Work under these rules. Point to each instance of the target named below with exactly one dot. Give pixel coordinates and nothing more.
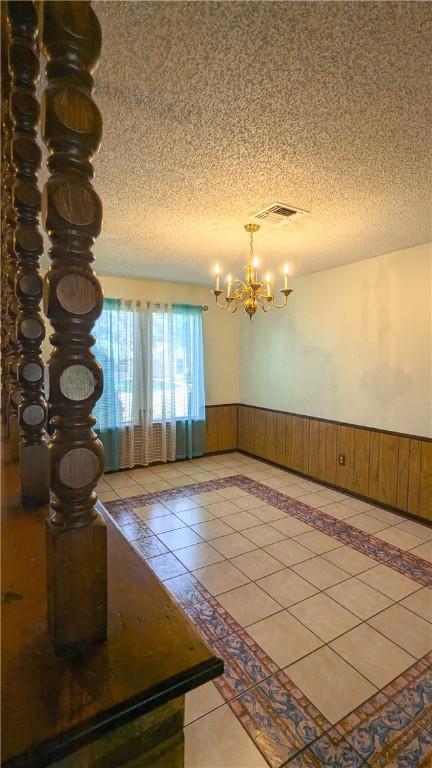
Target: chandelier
(250, 293)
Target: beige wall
(220, 331)
(353, 346)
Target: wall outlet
(342, 459)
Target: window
(152, 361)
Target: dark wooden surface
(50, 705)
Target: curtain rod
(158, 304)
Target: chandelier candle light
(250, 293)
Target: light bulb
(229, 281)
(286, 269)
(286, 273)
(255, 262)
(268, 278)
(217, 273)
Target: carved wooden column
(6, 208)
(72, 214)
(28, 246)
(9, 300)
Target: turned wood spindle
(9, 269)
(72, 214)
(28, 247)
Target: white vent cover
(278, 213)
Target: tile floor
(319, 604)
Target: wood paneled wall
(392, 469)
(221, 428)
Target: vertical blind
(153, 404)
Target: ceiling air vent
(277, 213)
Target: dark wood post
(9, 267)
(72, 214)
(27, 248)
(6, 209)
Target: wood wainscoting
(392, 469)
(221, 428)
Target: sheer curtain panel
(153, 405)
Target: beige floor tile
(289, 552)
(320, 572)
(263, 535)
(423, 532)
(367, 523)
(317, 499)
(287, 587)
(241, 520)
(340, 510)
(177, 539)
(318, 542)
(142, 474)
(391, 583)
(420, 603)
(212, 529)
(222, 508)
(274, 482)
(257, 564)
(233, 544)
(424, 551)
(350, 560)
(330, 683)
(231, 492)
(359, 598)
(400, 539)
(180, 504)
(200, 701)
(198, 556)
(294, 491)
(267, 513)
(181, 482)
(159, 485)
(218, 740)
(166, 566)
(103, 486)
(248, 604)
(408, 630)
(206, 498)
(284, 638)
(221, 577)
(119, 480)
(385, 516)
(324, 616)
(358, 504)
(130, 491)
(247, 502)
(195, 515)
(372, 654)
(108, 495)
(290, 526)
(202, 477)
(148, 511)
(164, 523)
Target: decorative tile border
(246, 664)
(403, 562)
(392, 729)
(279, 718)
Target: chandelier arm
(280, 306)
(222, 306)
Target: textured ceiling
(212, 110)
